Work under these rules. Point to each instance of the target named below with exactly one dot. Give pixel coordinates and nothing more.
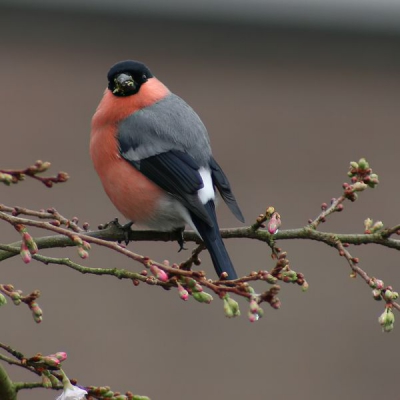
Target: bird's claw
(126, 229)
(180, 240)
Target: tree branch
(7, 389)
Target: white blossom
(72, 393)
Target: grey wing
(170, 124)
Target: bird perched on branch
(153, 156)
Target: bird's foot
(180, 240)
(115, 224)
(126, 229)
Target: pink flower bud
(82, 253)
(25, 253)
(159, 273)
(275, 303)
(62, 177)
(36, 310)
(377, 283)
(51, 361)
(30, 243)
(86, 245)
(253, 317)
(183, 293)
(37, 319)
(61, 355)
(274, 223)
(253, 306)
(198, 288)
(77, 240)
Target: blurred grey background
(290, 92)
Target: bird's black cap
(134, 69)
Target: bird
(152, 154)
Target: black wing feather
(221, 182)
(177, 173)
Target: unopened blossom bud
(46, 382)
(54, 381)
(388, 294)
(202, 297)
(137, 397)
(260, 312)
(6, 178)
(102, 390)
(183, 293)
(77, 240)
(376, 227)
(42, 166)
(248, 288)
(290, 275)
(191, 283)
(376, 283)
(359, 186)
(377, 294)
(3, 300)
(354, 165)
(36, 312)
(304, 286)
(61, 355)
(254, 306)
(30, 243)
(368, 224)
(233, 304)
(373, 180)
(51, 361)
(82, 252)
(274, 223)
(86, 245)
(16, 298)
(270, 279)
(159, 273)
(363, 164)
(62, 177)
(275, 303)
(228, 310)
(270, 210)
(386, 320)
(25, 253)
(197, 288)
(253, 317)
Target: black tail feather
(213, 241)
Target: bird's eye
(144, 77)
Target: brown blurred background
(288, 103)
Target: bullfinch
(153, 156)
